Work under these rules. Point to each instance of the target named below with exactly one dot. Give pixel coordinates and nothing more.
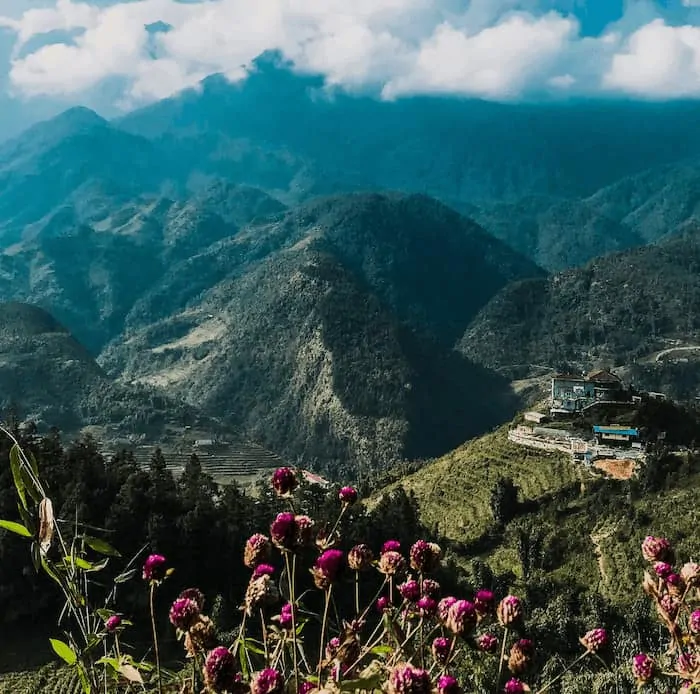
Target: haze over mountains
(245, 249)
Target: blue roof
(616, 430)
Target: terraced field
(49, 679)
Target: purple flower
(687, 662)
(410, 590)
(348, 495)
(663, 569)
(427, 606)
(392, 563)
(484, 601)
(284, 481)
(267, 681)
(674, 580)
(694, 622)
(444, 607)
(257, 550)
(406, 679)
(286, 618)
(304, 530)
(184, 613)
(113, 623)
(283, 530)
(448, 685)
(425, 556)
(487, 643)
(360, 557)
(642, 667)
(431, 588)
(263, 570)
(520, 656)
(515, 686)
(194, 594)
(220, 670)
(461, 617)
(594, 640)
(382, 604)
(656, 548)
(305, 687)
(332, 648)
(441, 649)
(327, 568)
(154, 568)
(391, 546)
(509, 610)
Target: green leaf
(64, 651)
(79, 563)
(126, 576)
(253, 647)
(16, 528)
(382, 650)
(84, 681)
(29, 485)
(243, 659)
(100, 546)
(48, 568)
(112, 662)
(16, 467)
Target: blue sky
(114, 55)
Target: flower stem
(323, 632)
(502, 658)
(357, 593)
(155, 637)
(291, 568)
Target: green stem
(562, 673)
(323, 632)
(502, 659)
(155, 637)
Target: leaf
(16, 466)
(29, 485)
(46, 524)
(64, 651)
(126, 576)
(16, 528)
(84, 681)
(101, 546)
(382, 650)
(253, 648)
(79, 563)
(243, 659)
(112, 662)
(36, 556)
(130, 673)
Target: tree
(504, 501)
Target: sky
(116, 55)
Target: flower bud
(487, 643)
(484, 602)
(261, 591)
(360, 558)
(425, 556)
(461, 617)
(642, 668)
(267, 681)
(410, 590)
(509, 610)
(184, 612)
(220, 670)
(348, 495)
(392, 563)
(690, 573)
(594, 640)
(407, 679)
(656, 549)
(448, 685)
(694, 622)
(515, 686)
(391, 546)
(113, 623)
(154, 568)
(284, 481)
(327, 568)
(257, 550)
(520, 657)
(441, 650)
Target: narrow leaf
(130, 673)
(126, 576)
(100, 546)
(16, 528)
(64, 651)
(16, 466)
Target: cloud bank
(500, 49)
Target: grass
(50, 678)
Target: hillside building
(616, 435)
(571, 393)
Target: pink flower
(257, 550)
(448, 685)
(267, 681)
(263, 570)
(327, 568)
(194, 594)
(283, 530)
(391, 546)
(656, 548)
(406, 679)
(382, 604)
(220, 670)
(594, 640)
(515, 686)
(509, 610)
(305, 687)
(183, 613)
(360, 557)
(461, 617)
(487, 643)
(431, 588)
(286, 617)
(154, 568)
(427, 606)
(348, 495)
(284, 481)
(670, 605)
(425, 556)
(642, 667)
(441, 649)
(663, 569)
(113, 623)
(391, 563)
(694, 622)
(484, 601)
(410, 590)
(444, 607)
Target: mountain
(327, 332)
(616, 310)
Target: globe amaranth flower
(327, 567)
(643, 668)
(220, 670)
(391, 546)
(690, 573)
(662, 569)
(441, 650)
(382, 604)
(409, 590)
(113, 623)
(263, 570)
(348, 495)
(487, 643)
(284, 481)
(304, 530)
(425, 556)
(669, 605)
(594, 640)
(360, 558)
(286, 618)
(391, 563)
(257, 550)
(406, 679)
(184, 612)
(200, 637)
(484, 602)
(268, 681)
(154, 568)
(461, 617)
(283, 531)
(656, 548)
(448, 685)
(427, 606)
(509, 610)
(431, 588)
(515, 686)
(443, 608)
(694, 622)
(520, 657)
(332, 648)
(261, 591)
(194, 594)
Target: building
(573, 393)
(614, 434)
(606, 385)
(535, 417)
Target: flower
(406, 679)
(261, 591)
(283, 531)
(154, 568)
(461, 617)
(392, 563)
(441, 649)
(410, 590)
(425, 556)
(594, 640)
(690, 573)
(656, 548)
(443, 608)
(360, 557)
(348, 495)
(642, 667)
(694, 622)
(427, 606)
(483, 602)
(687, 662)
(663, 569)
(520, 656)
(267, 681)
(332, 648)
(305, 687)
(220, 670)
(113, 623)
(382, 603)
(194, 594)
(487, 643)
(263, 569)
(448, 685)
(431, 588)
(669, 604)
(515, 686)
(327, 568)
(200, 636)
(286, 618)
(304, 530)
(257, 550)
(184, 613)
(391, 546)
(284, 481)
(509, 610)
